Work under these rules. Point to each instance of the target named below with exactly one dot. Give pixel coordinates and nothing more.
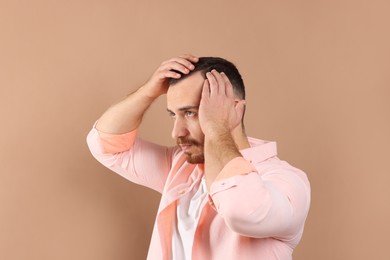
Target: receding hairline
(207, 64)
(175, 81)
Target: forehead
(186, 92)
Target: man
(224, 195)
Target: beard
(195, 155)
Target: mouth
(185, 147)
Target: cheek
(197, 131)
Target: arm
(113, 140)
(271, 200)
(220, 116)
(138, 161)
(254, 201)
(126, 115)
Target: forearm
(270, 201)
(220, 148)
(127, 114)
(220, 114)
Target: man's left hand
(219, 110)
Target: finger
(213, 83)
(206, 89)
(190, 57)
(229, 86)
(184, 62)
(175, 66)
(170, 74)
(220, 81)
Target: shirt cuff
(225, 179)
(116, 143)
(236, 166)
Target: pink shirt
(256, 207)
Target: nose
(179, 128)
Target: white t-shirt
(187, 217)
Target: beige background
(318, 82)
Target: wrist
(221, 146)
(217, 133)
(146, 93)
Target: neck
(240, 137)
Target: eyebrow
(184, 108)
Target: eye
(172, 115)
(190, 113)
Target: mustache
(187, 141)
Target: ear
(237, 101)
(240, 103)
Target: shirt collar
(259, 151)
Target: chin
(195, 159)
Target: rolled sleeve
(236, 166)
(116, 143)
(227, 178)
(270, 202)
(137, 160)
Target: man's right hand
(126, 115)
(159, 82)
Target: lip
(185, 147)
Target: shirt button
(181, 192)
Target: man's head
(183, 99)
(207, 64)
